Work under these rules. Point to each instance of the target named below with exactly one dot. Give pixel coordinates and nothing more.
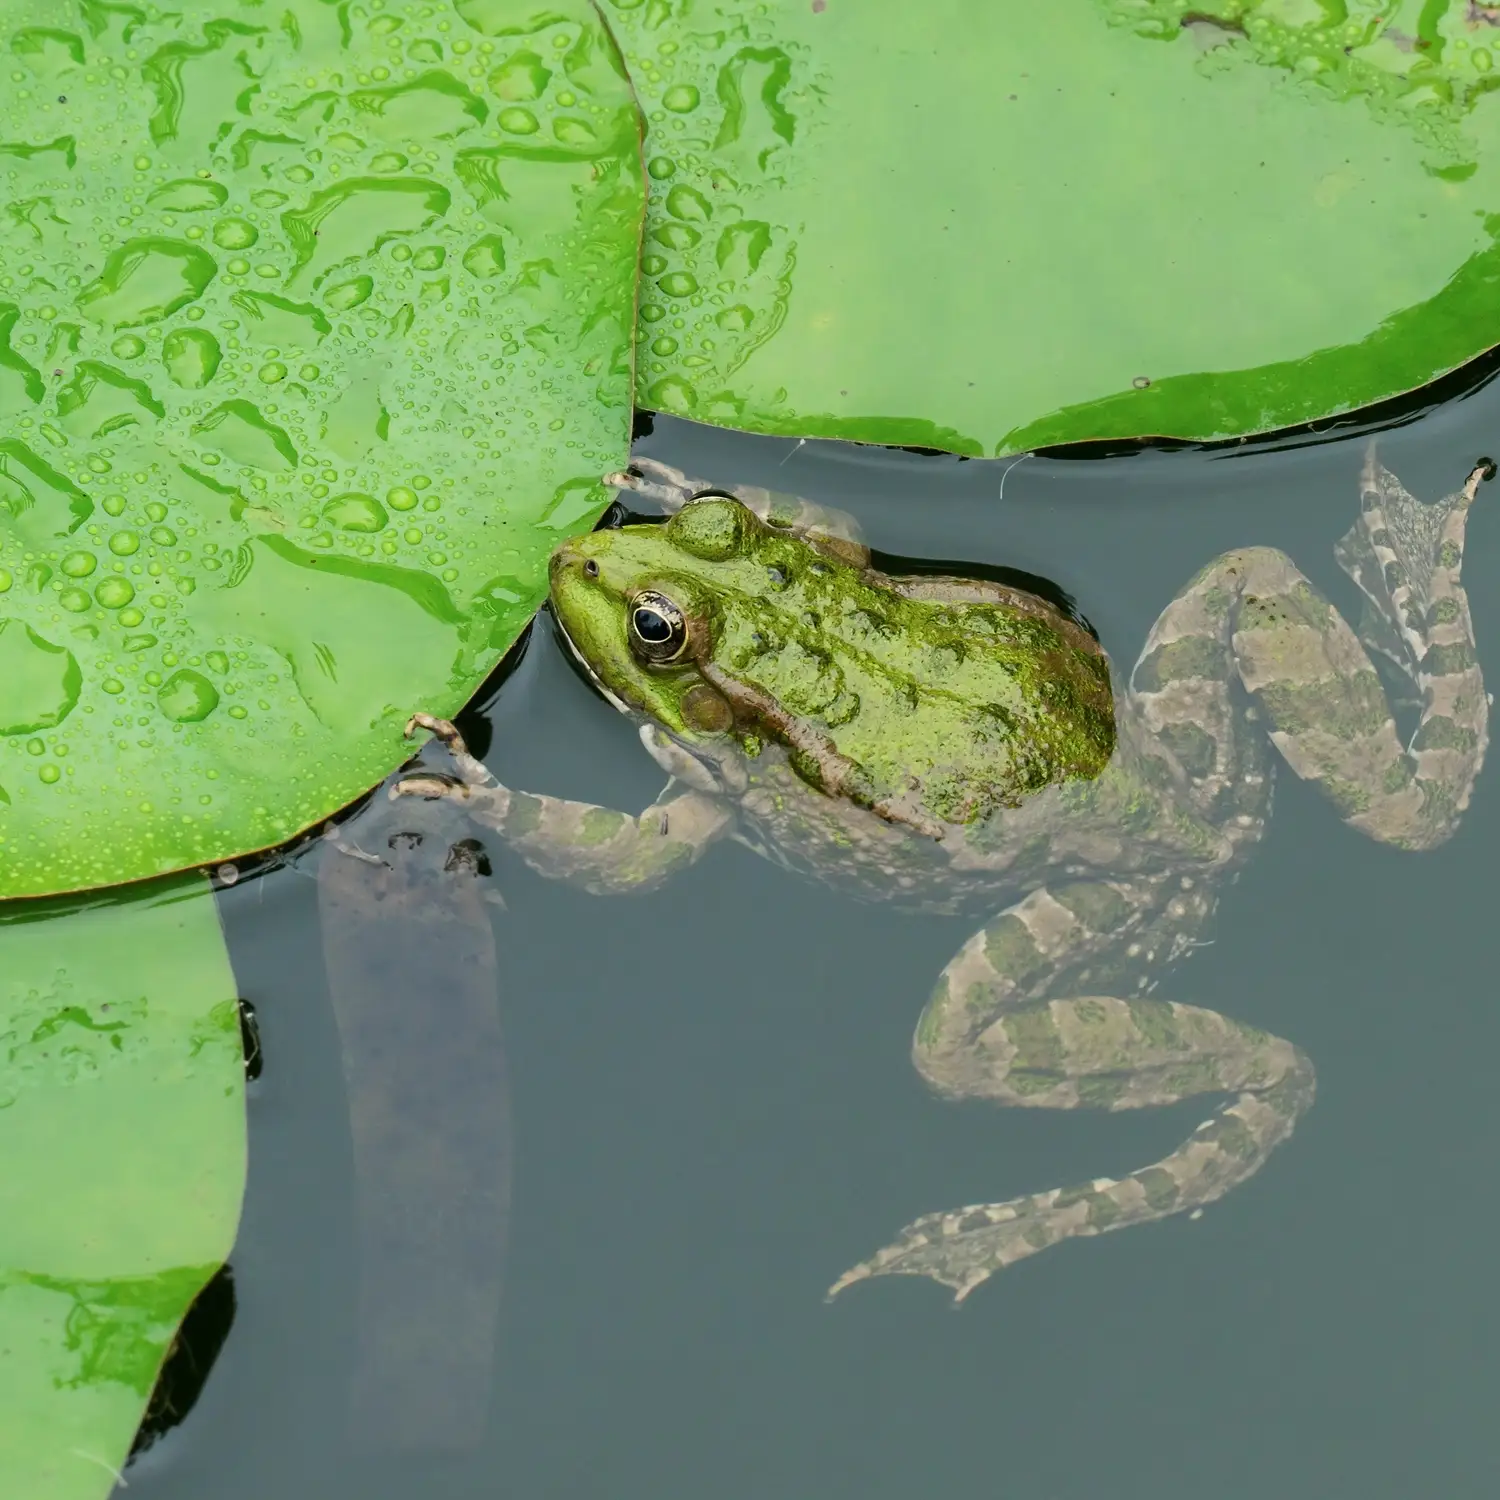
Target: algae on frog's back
(949, 698)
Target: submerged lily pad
(122, 1164)
(990, 227)
(311, 348)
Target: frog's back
(1129, 821)
(949, 698)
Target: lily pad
(315, 338)
(1000, 226)
(122, 1138)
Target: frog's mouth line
(586, 668)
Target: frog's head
(643, 609)
(930, 700)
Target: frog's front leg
(602, 850)
(1018, 1018)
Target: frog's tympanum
(951, 744)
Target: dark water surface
(715, 1113)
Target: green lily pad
(122, 1138)
(315, 338)
(993, 227)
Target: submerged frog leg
(1014, 1019)
(601, 850)
(653, 480)
(1252, 615)
(672, 489)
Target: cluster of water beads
(1429, 77)
(728, 107)
(257, 339)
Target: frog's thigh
(1005, 1023)
(1325, 707)
(1253, 614)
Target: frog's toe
(443, 730)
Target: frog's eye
(657, 628)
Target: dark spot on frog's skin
(776, 577)
(819, 568)
(811, 619)
(404, 841)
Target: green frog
(956, 744)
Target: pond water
(713, 1113)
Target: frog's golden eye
(657, 628)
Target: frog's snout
(572, 571)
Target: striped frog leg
(1015, 1019)
(1252, 616)
(596, 848)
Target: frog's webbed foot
(1406, 555)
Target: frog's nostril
(591, 569)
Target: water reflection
(404, 905)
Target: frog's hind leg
(1251, 614)
(1406, 557)
(1016, 1019)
